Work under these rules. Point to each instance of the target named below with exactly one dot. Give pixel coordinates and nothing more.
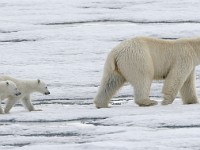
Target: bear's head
(11, 88)
(42, 87)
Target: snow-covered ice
(65, 43)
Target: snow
(66, 43)
(126, 126)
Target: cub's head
(11, 88)
(42, 87)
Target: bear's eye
(46, 87)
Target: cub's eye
(46, 87)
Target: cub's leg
(173, 83)
(9, 104)
(188, 91)
(1, 109)
(26, 101)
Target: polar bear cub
(26, 87)
(7, 88)
(141, 60)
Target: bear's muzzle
(47, 93)
(19, 93)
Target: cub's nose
(47, 93)
(19, 93)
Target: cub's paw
(166, 102)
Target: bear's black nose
(19, 93)
(47, 93)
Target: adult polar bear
(143, 59)
(26, 87)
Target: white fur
(7, 88)
(26, 87)
(141, 60)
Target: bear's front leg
(9, 104)
(174, 82)
(188, 91)
(26, 101)
(1, 109)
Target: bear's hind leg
(142, 90)
(188, 91)
(110, 83)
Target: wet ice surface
(66, 43)
(124, 126)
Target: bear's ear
(38, 81)
(7, 83)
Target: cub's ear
(7, 83)
(38, 81)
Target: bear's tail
(112, 80)
(111, 63)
